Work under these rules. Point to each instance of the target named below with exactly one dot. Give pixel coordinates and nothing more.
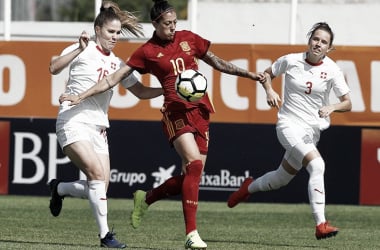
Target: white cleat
(194, 241)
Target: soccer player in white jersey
(309, 78)
(81, 129)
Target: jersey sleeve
(340, 85)
(137, 61)
(201, 45)
(129, 81)
(279, 66)
(70, 48)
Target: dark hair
(160, 7)
(110, 11)
(321, 26)
(105, 15)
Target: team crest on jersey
(323, 75)
(185, 46)
(179, 124)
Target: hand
(73, 99)
(262, 77)
(273, 99)
(325, 111)
(83, 40)
(257, 77)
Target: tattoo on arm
(223, 66)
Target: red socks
(171, 187)
(188, 185)
(190, 191)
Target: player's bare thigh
(94, 165)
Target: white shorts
(69, 132)
(297, 139)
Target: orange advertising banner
(29, 90)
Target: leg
(142, 199)
(61, 189)
(82, 154)
(275, 179)
(78, 153)
(96, 167)
(316, 190)
(78, 189)
(270, 181)
(192, 166)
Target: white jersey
(90, 66)
(307, 88)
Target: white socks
(98, 202)
(78, 189)
(271, 180)
(278, 178)
(316, 189)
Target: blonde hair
(129, 22)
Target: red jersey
(166, 59)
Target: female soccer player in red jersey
(186, 124)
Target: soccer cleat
(194, 241)
(139, 208)
(241, 194)
(109, 241)
(324, 230)
(56, 199)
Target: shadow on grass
(262, 243)
(60, 244)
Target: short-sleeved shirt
(166, 59)
(90, 66)
(307, 88)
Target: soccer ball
(191, 85)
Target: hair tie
(166, 11)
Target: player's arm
(229, 68)
(143, 92)
(103, 85)
(343, 106)
(273, 99)
(59, 63)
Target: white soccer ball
(191, 85)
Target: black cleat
(56, 200)
(109, 241)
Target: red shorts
(196, 121)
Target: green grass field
(26, 223)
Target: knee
(284, 177)
(316, 167)
(95, 174)
(194, 168)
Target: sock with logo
(271, 180)
(190, 191)
(98, 202)
(316, 168)
(77, 189)
(171, 187)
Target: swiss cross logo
(113, 65)
(323, 75)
